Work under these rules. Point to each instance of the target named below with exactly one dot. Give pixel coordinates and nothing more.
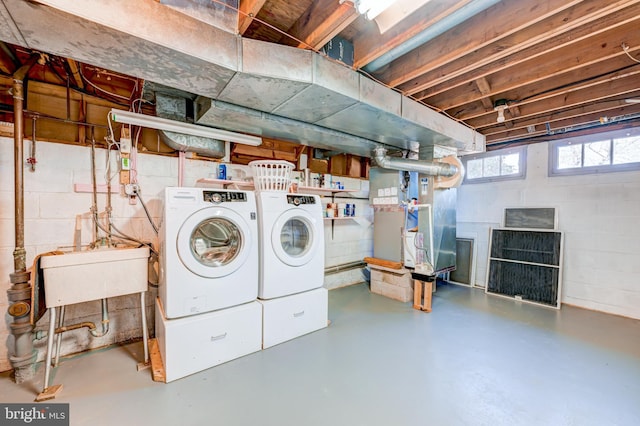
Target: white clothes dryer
(208, 250)
(291, 243)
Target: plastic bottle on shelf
(222, 172)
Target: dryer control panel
(217, 197)
(297, 200)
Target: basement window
(505, 164)
(573, 157)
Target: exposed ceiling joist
(557, 63)
(249, 9)
(370, 46)
(322, 21)
(471, 35)
(568, 30)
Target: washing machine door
(214, 242)
(293, 237)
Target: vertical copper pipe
(32, 154)
(24, 355)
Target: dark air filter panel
(526, 265)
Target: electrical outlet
(131, 189)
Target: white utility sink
(82, 276)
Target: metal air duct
(404, 164)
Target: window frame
(522, 160)
(582, 141)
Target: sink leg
(52, 331)
(59, 336)
(145, 336)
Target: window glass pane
(510, 164)
(626, 150)
(569, 156)
(491, 166)
(474, 169)
(597, 153)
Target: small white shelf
(341, 218)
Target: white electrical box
(125, 145)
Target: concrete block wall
(598, 214)
(52, 209)
(348, 240)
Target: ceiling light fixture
(393, 15)
(153, 122)
(372, 8)
(382, 12)
(500, 105)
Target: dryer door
(214, 242)
(293, 237)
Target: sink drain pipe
(22, 355)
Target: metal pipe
(91, 326)
(430, 33)
(32, 155)
(105, 321)
(69, 99)
(344, 267)
(23, 356)
(59, 336)
(427, 168)
(108, 203)
(94, 199)
(145, 332)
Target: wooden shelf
(216, 183)
(303, 189)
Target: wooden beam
(599, 108)
(570, 26)
(590, 76)
(564, 100)
(75, 73)
(323, 20)
(8, 62)
(560, 126)
(368, 46)
(529, 139)
(249, 9)
(485, 88)
(507, 17)
(552, 66)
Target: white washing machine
(291, 243)
(291, 266)
(209, 250)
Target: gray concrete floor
(475, 360)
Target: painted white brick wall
(348, 240)
(598, 214)
(52, 206)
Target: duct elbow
(448, 170)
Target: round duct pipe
(424, 167)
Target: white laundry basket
(271, 175)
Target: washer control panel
(217, 197)
(297, 200)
